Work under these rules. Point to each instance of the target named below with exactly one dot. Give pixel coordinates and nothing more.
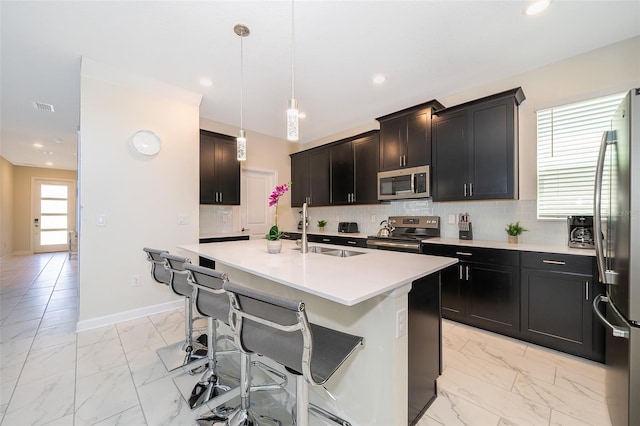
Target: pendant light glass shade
(241, 140)
(241, 146)
(292, 120)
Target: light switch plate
(101, 219)
(183, 220)
(452, 219)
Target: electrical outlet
(452, 219)
(183, 220)
(401, 323)
(101, 219)
(373, 218)
(337, 218)
(135, 280)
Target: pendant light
(292, 110)
(241, 140)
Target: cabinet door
(418, 139)
(492, 150)
(556, 310)
(494, 297)
(365, 169)
(392, 143)
(449, 156)
(299, 179)
(342, 178)
(453, 292)
(319, 188)
(207, 170)
(227, 172)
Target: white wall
(611, 69)
(140, 196)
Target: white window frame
(568, 141)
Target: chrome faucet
(304, 246)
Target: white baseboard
(127, 315)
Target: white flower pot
(274, 247)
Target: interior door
(53, 207)
(255, 215)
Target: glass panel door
(54, 214)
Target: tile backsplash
(216, 219)
(489, 218)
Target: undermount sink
(342, 253)
(332, 252)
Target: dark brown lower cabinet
(482, 289)
(556, 307)
(543, 298)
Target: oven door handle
(394, 244)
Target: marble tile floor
(50, 375)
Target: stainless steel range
(405, 233)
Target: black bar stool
(278, 328)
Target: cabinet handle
(554, 262)
(586, 290)
(217, 196)
(352, 242)
(465, 189)
(467, 273)
(464, 253)
(221, 197)
(470, 189)
(405, 160)
(353, 197)
(326, 240)
(460, 266)
(401, 161)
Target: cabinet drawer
(557, 262)
(333, 239)
(474, 254)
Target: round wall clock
(146, 142)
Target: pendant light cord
(293, 49)
(241, 80)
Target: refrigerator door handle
(615, 330)
(606, 276)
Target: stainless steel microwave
(399, 184)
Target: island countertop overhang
(348, 280)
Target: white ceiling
(427, 50)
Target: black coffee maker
(580, 231)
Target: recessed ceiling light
(57, 140)
(302, 115)
(206, 82)
(536, 7)
(379, 79)
(37, 145)
(49, 163)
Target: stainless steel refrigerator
(618, 258)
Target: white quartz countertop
(345, 280)
(544, 248)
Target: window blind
(568, 143)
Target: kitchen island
(365, 294)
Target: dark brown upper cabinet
(354, 170)
(475, 149)
(405, 137)
(219, 169)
